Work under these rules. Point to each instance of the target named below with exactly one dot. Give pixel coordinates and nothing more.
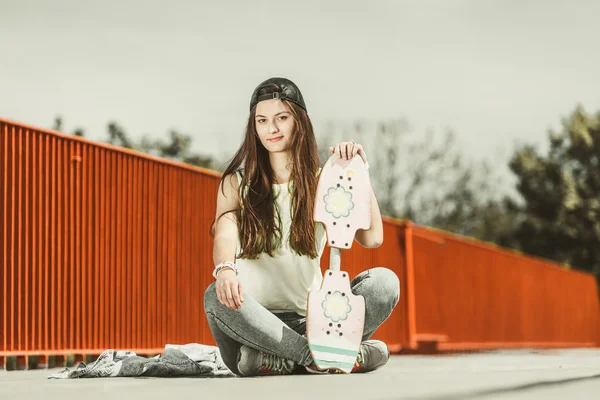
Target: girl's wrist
(224, 265)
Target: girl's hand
(347, 151)
(229, 291)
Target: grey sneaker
(254, 362)
(372, 355)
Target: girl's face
(275, 125)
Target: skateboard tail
(333, 357)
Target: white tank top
(281, 283)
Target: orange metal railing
(102, 247)
(471, 295)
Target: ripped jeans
(281, 334)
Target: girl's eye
(284, 117)
(260, 121)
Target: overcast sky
(493, 71)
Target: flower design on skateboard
(336, 306)
(338, 202)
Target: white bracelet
(224, 265)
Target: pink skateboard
(335, 317)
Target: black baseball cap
(289, 91)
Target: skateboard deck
(335, 316)
(343, 202)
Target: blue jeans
(281, 334)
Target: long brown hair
(259, 223)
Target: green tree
(559, 215)
(118, 137)
(177, 148)
(58, 126)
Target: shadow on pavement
(507, 390)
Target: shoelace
(359, 361)
(273, 363)
(359, 358)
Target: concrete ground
(521, 374)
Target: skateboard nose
(343, 201)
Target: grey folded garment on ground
(191, 360)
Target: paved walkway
(552, 374)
